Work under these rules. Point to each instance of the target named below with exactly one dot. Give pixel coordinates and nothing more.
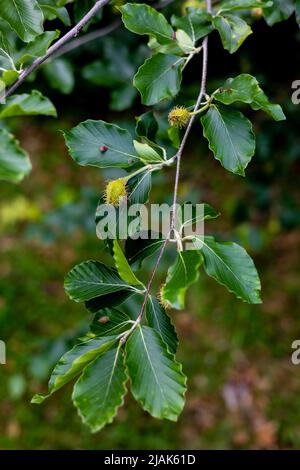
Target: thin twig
(178, 165)
(55, 47)
(76, 43)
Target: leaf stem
(190, 56)
(137, 172)
(149, 168)
(207, 105)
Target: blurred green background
(243, 390)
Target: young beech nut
(115, 191)
(163, 302)
(179, 117)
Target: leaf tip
(38, 399)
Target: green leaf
(230, 265)
(122, 97)
(261, 101)
(110, 321)
(115, 71)
(117, 65)
(9, 77)
(6, 59)
(101, 389)
(51, 12)
(172, 48)
(122, 265)
(146, 153)
(233, 31)
(38, 47)
(230, 137)
(297, 11)
(73, 362)
(157, 381)
(27, 105)
(4, 44)
(174, 135)
(139, 188)
(6, 62)
(61, 3)
(196, 23)
(232, 5)
(14, 161)
(60, 75)
(101, 74)
(245, 88)
(159, 78)
(183, 273)
(280, 10)
(108, 301)
(92, 279)
(159, 320)
(97, 143)
(113, 222)
(147, 126)
(24, 17)
(140, 249)
(195, 215)
(142, 19)
(184, 41)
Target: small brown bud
(103, 319)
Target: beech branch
(178, 157)
(55, 47)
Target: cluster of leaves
(280, 11)
(23, 38)
(123, 345)
(141, 348)
(116, 63)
